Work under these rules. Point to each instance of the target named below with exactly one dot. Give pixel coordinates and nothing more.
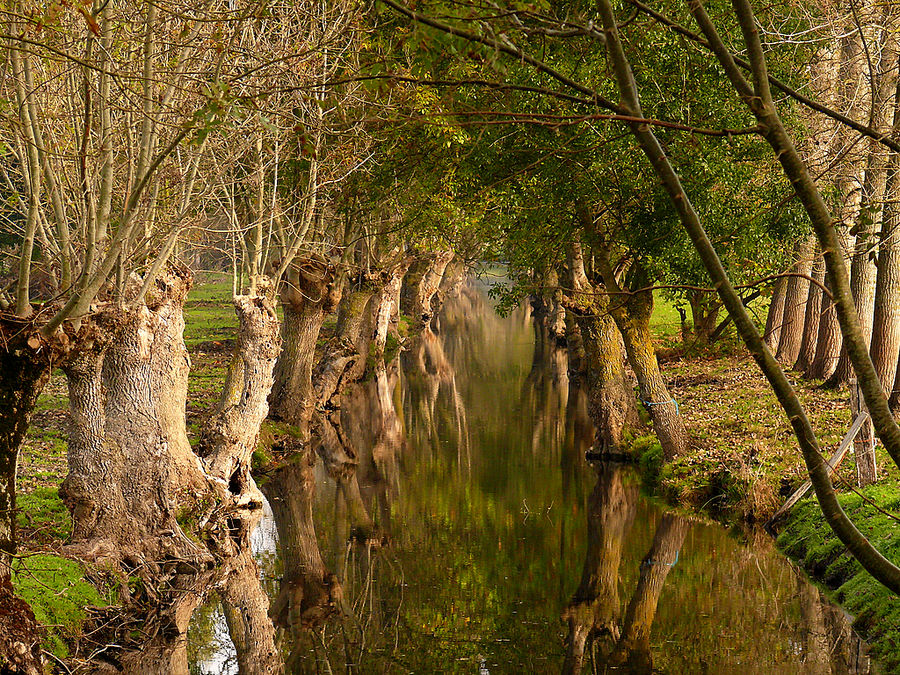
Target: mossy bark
(631, 312)
(611, 401)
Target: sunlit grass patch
(55, 589)
(43, 515)
(808, 539)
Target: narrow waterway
(480, 540)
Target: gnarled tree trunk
(631, 312)
(611, 400)
(421, 283)
(310, 293)
(230, 434)
(387, 306)
(131, 467)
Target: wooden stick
(831, 464)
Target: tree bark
(311, 293)
(807, 354)
(885, 347)
(863, 271)
(611, 400)
(131, 467)
(775, 314)
(229, 436)
(421, 284)
(829, 340)
(26, 360)
(387, 306)
(631, 312)
(704, 315)
(795, 304)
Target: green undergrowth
(807, 539)
(57, 591)
(42, 514)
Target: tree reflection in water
(449, 519)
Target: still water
(475, 538)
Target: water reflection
(445, 519)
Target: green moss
(649, 455)
(44, 511)
(57, 592)
(807, 539)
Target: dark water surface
(499, 549)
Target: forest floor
(744, 463)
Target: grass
(56, 589)
(665, 323)
(42, 514)
(807, 539)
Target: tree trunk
(20, 636)
(131, 467)
(828, 342)
(611, 400)
(775, 314)
(594, 608)
(632, 652)
(795, 304)
(578, 283)
(310, 294)
(387, 306)
(230, 435)
(704, 315)
(863, 271)
(422, 283)
(813, 313)
(631, 312)
(885, 347)
(26, 360)
(353, 320)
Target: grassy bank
(809, 541)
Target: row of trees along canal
(324, 153)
